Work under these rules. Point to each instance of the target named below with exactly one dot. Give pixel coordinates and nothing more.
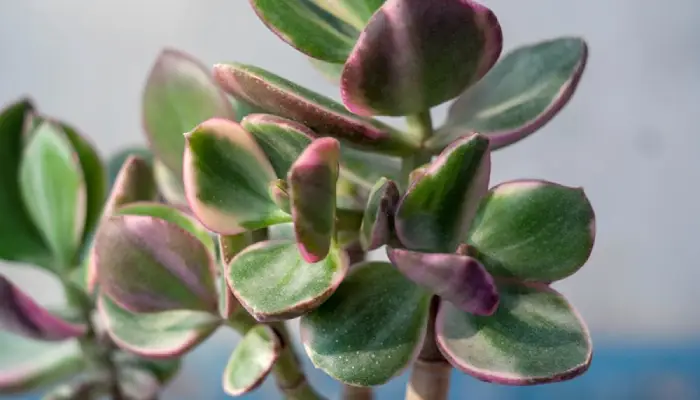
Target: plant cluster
(264, 211)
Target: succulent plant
(256, 202)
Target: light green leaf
(251, 361)
(169, 184)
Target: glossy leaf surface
(273, 282)
(378, 220)
(534, 337)
(533, 230)
(251, 361)
(371, 329)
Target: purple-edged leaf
(535, 337)
(416, 54)
(169, 184)
(523, 92)
(251, 361)
(273, 282)
(378, 220)
(282, 140)
(21, 315)
(435, 213)
(54, 191)
(229, 247)
(27, 365)
(147, 264)
(371, 329)
(226, 177)
(312, 195)
(533, 230)
(461, 280)
(279, 96)
(158, 335)
(279, 192)
(179, 94)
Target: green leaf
(273, 282)
(312, 193)
(158, 335)
(278, 96)
(169, 184)
(535, 337)
(226, 179)
(522, 93)
(117, 160)
(148, 264)
(179, 94)
(366, 169)
(53, 189)
(435, 213)
(330, 71)
(378, 220)
(371, 329)
(20, 241)
(251, 361)
(229, 247)
(533, 230)
(282, 140)
(415, 54)
(27, 364)
(164, 370)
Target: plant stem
(421, 126)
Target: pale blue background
(629, 137)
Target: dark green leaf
(251, 361)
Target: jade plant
(257, 202)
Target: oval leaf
(533, 230)
(378, 220)
(226, 179)
(251, 361)
(53, 189)
(366, 169)
(27, 364)
(534, 337)
(273, 282)
(312, 193)
(117, 160)
(147, 264)
(371, 329)
(179, 94)
(279, 96)
(438, 207)
(523, 92)
(169, 184)
(23, 316)
(20, 240)
(282, 140)
(416, 54)
(461, 280)
(158, 335)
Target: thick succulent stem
(421, 126)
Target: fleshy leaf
(229, 247)
(415, 54)
(158, 335)
(279, 96)
(523, 92)
(378, 220)
(535, 337)
(273, 282)
(53, 189)
(251, 361)
(27, 364)
(435, 213)
(226, 179)
(533, 230)
(147, 264)
(282, 140)
(21, 315)
(459, 279)
(371, 329)
(179, 94)
(164, 370)
(117, 160)
(20, 241)
(169, 184)
(366, 169)
(312, 195)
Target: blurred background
(629, 137)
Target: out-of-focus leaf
(117, 160)
(251, 361)
(435, 213)
(229, 247)
(179, 94)
(533, 230)
(416, 54)
(169, 184)
(226, 179)
(534, 337)
(273, 282)
(330, 71)
(366, 169)
(372, 327)
(523, 92)
(162, 369)
(378, 221)
(278, 96)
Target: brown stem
(430, 376)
